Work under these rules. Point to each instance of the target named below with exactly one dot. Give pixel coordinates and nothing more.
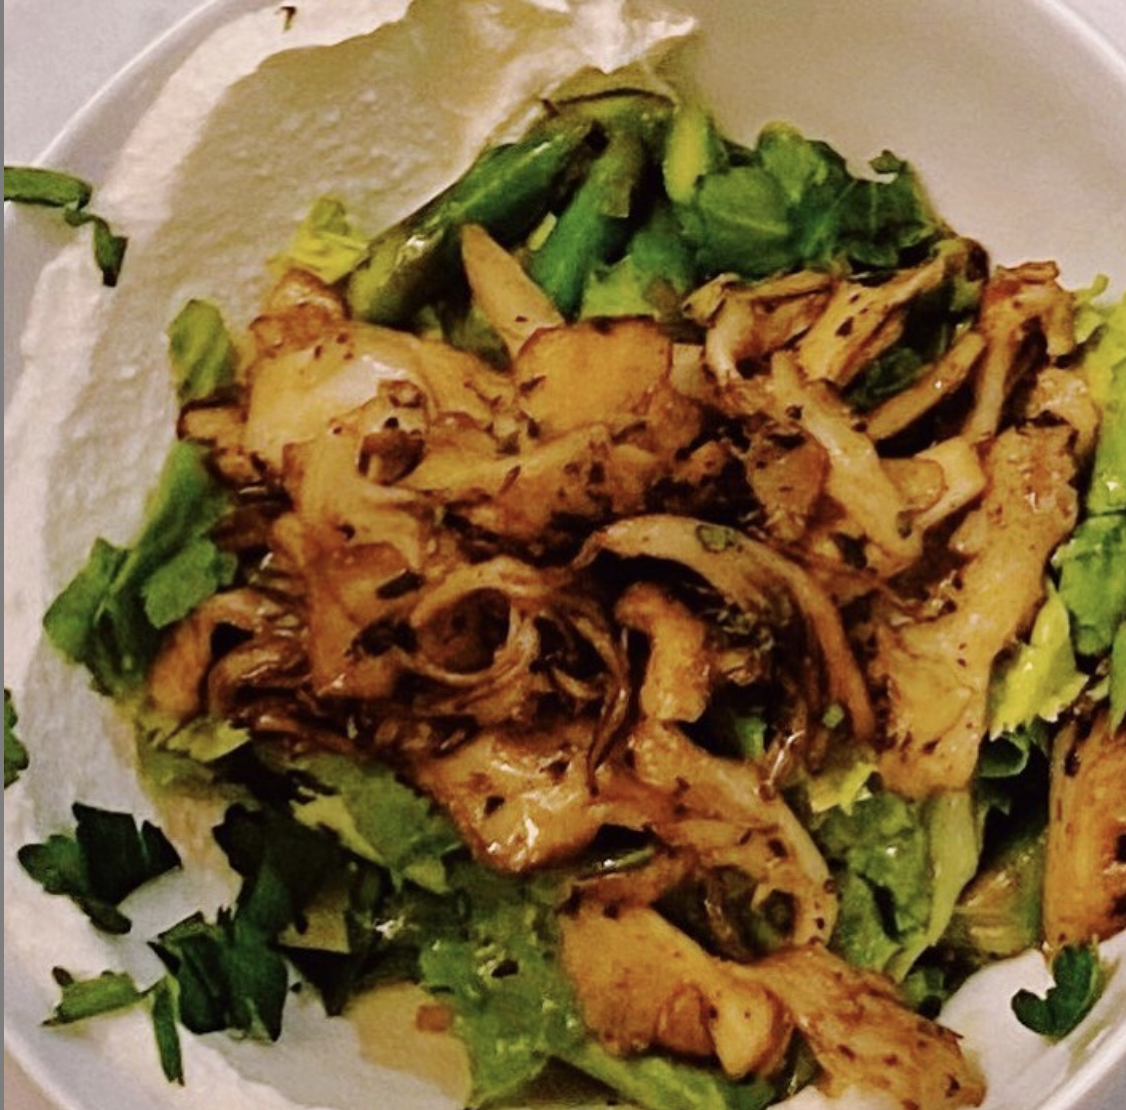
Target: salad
(664, 596)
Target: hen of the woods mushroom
(683, 583)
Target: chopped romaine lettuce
(201, 352)
(1118, 678)
(110, 616)
(1104, 364)
(1092, 570)
(664, 1083)
(325, 243)
(879, 851)
(1040, 679)
(376, 816)
(900, 866)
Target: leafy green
(880, 854)
(1008, 755)
(1104, 364)
(791, 201)
(1040, 679)
(85, 998)
(228, 974)
(376, 816)
(1079, 979)
(662, 1083)
(200, 349)
(1118, 678)
(325, 243)
(164, 997)
(102, 864)
(15, 754)
(900, 866)
(513, 1003)
(931, 322)
(115, 990)
(110, 616)
(52, 189)
(1092, 580)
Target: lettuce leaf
(1092, 581)
(1104, 364)
(376, 816)
(201, 352)
(664, 1083)
(1118, 678)
(110, 616)
(880, 855)
(1040, 679)
(900, 866)
(325, 244)
(791, 202)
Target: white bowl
(1013, 112)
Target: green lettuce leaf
(325, 244)
(663, 1083)
(201, 352)
(376, 816)
(1104, 364)
(791, 202)
(1040, 679)
(1118, 678)
(1092, 581)
(879, 853)
(110, 616)
(514, 1005)
(900, 866)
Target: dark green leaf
(165, 1013)
(15, 754)
(119, 856)
(32, 185)
(228, 975)
(49, 188)
(106, 860)
(1079, 981)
